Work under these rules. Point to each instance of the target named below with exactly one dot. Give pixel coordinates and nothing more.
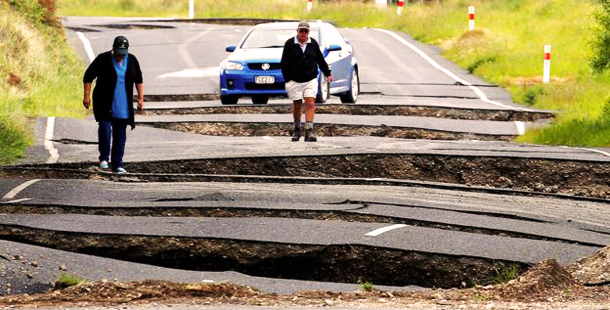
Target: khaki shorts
(298, 91)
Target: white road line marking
(380, 231)
(48, 144)
(18, 189)
(586, 149)
(15, 201)
(87, 46)
(599, 152)
(520, 127)
(184, 51)
(447, 72)
(191, 73)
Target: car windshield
(271, 38)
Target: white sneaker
(121, 170)
(103, 165)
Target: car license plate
(264, 79)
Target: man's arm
(87, 95)
(139, 81)
(90, 75)
(286, 62)
(322, 62)
(140, 89)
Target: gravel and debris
(593, 270)
(547, 285)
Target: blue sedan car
(253, 67)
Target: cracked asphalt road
(565, 229)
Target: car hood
(257, 55)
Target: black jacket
(302, 67)
(103, 70)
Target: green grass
(66, 279)
(366, 286)
(506, 47)
(13, 140)
(40, 75)
(505, 273)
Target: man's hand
(330, 78)
(86, 102)
(141, 103)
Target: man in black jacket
(300, 60)
(116, 72)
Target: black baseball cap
(120, 45)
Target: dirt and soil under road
(545, 286)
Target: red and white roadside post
(191, 9)
(471, 18)
(546, 76)
(401, 4)
(309, 5)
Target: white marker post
(309, 5)
(471, 18)
(401, 4)
(381, 2)
(191, 9)
(546, 77)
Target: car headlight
(231, 65)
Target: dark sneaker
(296, 135)
(309, 137)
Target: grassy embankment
(506, 48)
(39, 74)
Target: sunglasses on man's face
(303, 30)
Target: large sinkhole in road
(327, 263)
(574, 178)
(333, 130)
(322, 130)
(358, 109)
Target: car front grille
(258, 66)
(274, 86)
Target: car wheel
(260, 99)
(323, 89)
(352, 94)
(228, 99)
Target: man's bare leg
(296, 115)
(310, 112)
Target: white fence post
(381, 2)
(309, 5)
(546, 77)
(401, 4)
(191, 9)
(471, 18)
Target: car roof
(282, 25)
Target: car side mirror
(230, 48)
(334, 47)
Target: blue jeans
(116, 129)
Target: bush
(600, 58)
(37, 11)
